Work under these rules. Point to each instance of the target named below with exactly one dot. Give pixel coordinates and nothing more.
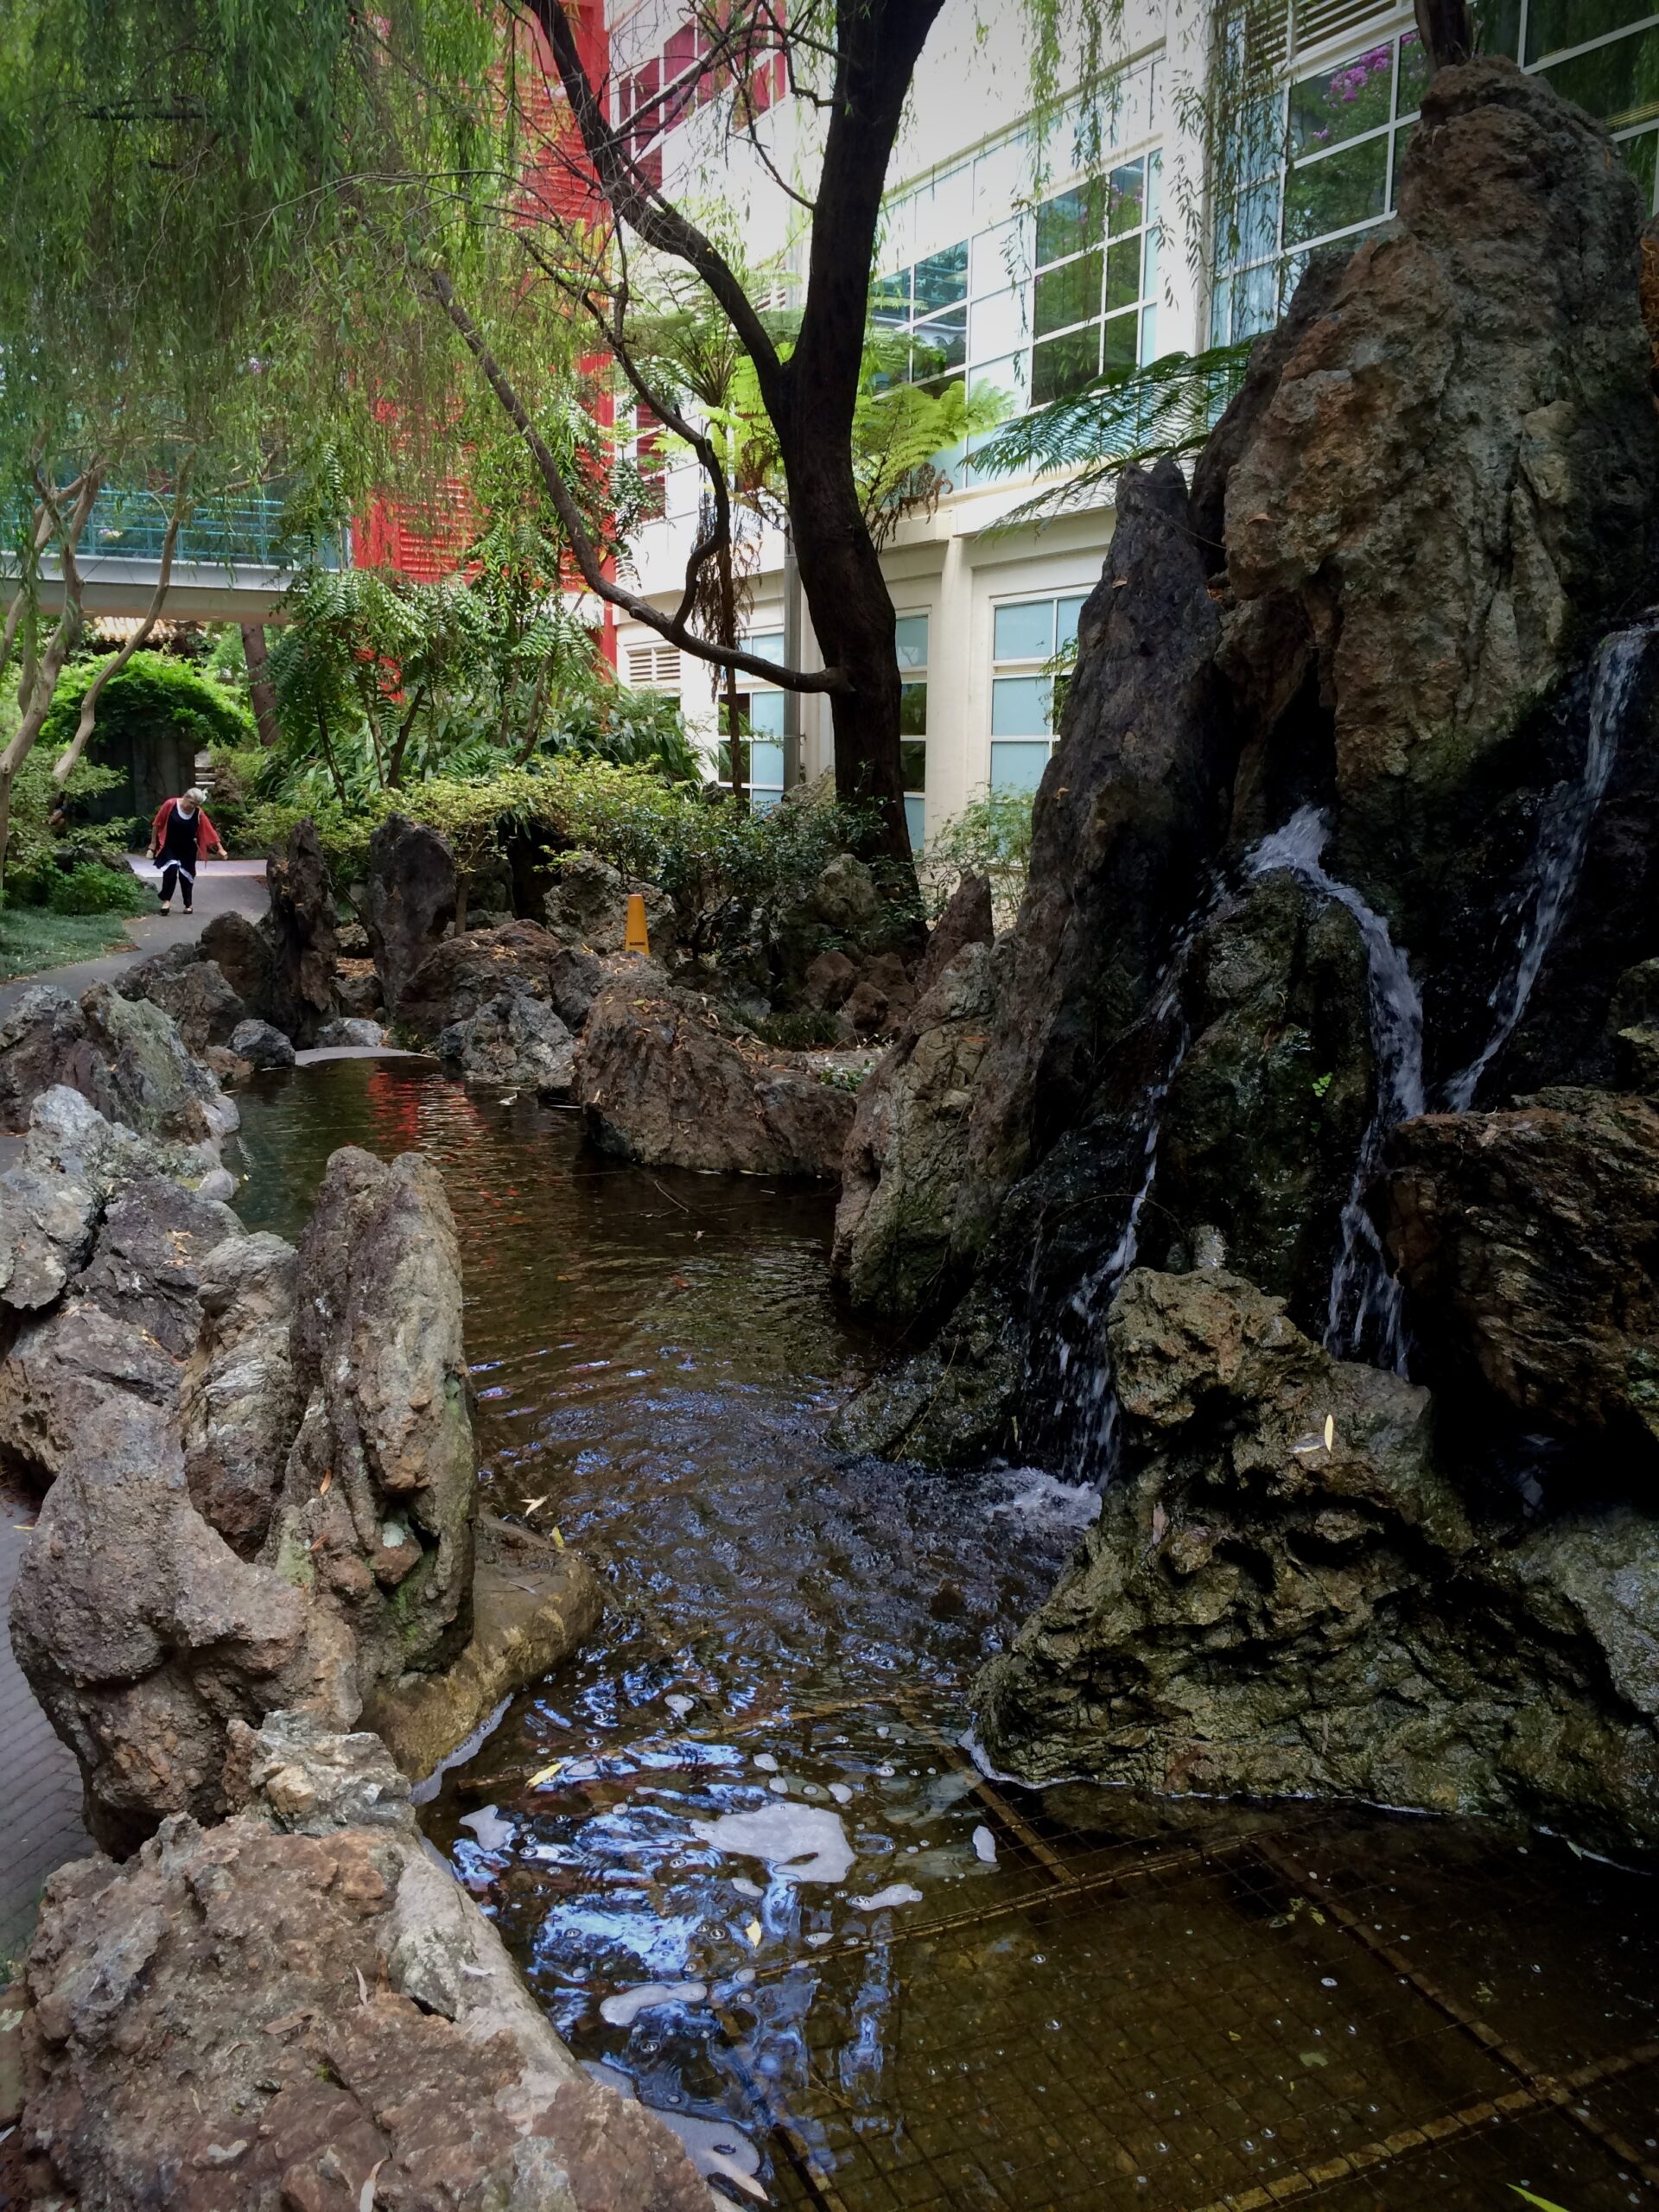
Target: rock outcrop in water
(300, 2008)
(1285, 1595)
(1348, 734)
(412, 891)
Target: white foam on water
(1045, 1502)
(896, 1893)
(842, 1792)
(1365, 1313)
(746, 1887)
(426, 1791)
(985, 1846)
(802, 1843)
(494, 1833)
(624, 2007)
(765, 1762)
(680, 1706)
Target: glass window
(1023, 633)
(1018, 768)
(911, 631)
(767, 767)
(941, 343)
(1340, 104)
(942, 279)
(1065, 620)
(916, 821)
(766, 717)
(1411, 77)
(1019, 706)
(1070, 221)
(1068, 294)
(1337, 191)
(1123, 273)
(912, 762)
(998, 257)
(1126, 198)
(1618, 83)
(1551, 24)
(768, 644)
(912, 709)
(1063, 365)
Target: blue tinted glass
(1018, 768)
(1066, 626)
(942, 278)
(763, 802)
(916, 817)
(767, 714)
(767, 767)
(1019, 706)
(1024, 632)
(768, 644)
(911, 640)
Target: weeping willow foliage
(215, 232)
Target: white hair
(195, 796)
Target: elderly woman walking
(180, 835)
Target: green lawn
(34, 937)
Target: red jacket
(206, 836)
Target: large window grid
(1320, 162)
(1095, 297)
(760, 729)
(1026, 637)
(913, 642)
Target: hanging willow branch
(1128, 416)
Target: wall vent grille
(1318, 20)
(654, 668)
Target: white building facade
(1025, 260)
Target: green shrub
(802, 1032)
(92, 888)
(153, 691)
(45, 836)
(991, 836)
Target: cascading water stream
(1364, 1318)
(1559, 860)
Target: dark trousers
(175, 878)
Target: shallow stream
(750, 1871)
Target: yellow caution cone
(636, 939)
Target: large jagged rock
(661, 1083)
(514, 1038)
(1284, 1595)
(468, 972)
(1529, 1242)
(126, 1057)
(300, 931)
(190, 987)
(1454, 488)
(238, 1405)
(533, 1604)
(143, 1634)
(904, 1161)
(300, 2009)
(1130, 809)
(375, 1516)
(47, 1223)
(241, 951)
(588, 906)
(412, 890)
(956, 1403)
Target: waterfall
(1559, 856)
(1365, 1320)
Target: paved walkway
(221, 888)
(42, 1818)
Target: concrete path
(221, 888)
(42, 1817)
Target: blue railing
(130, 523)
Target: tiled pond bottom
(990, 2001)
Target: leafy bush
(991, 836)
(46, 839)
(800, 1031)
(92, 888)
(153, 691)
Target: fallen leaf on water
(362, 1986)
(680, 1283)
(753, 1931)
(558, 1538)
(532, 1504)
(327, 1477)
(365, 2195)
(544, 1774)
(1330, 1431)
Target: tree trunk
(1446, 30)
(261, 690)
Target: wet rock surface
(661, 1083)
(1286, 1595)
(412, 890)
(1529, 1243)
(299, 2008)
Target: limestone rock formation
(298, 2008)
(144, 1634)
(514, 1038)
(412, 890)
(1528, 1241)
(968, 919)
(905, 1158)
(262, 1044)
(238, 1406)
(126, 1057)
(45, 1232)
(1285, 1594)
(352, 1033)
(467, 972)
(192, 989)
(375, 1516)
(588, 906)
(663, 1084)
(533, 1604)
(241, 951)
(300, 931)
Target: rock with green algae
(1286, 1595)
(955, 1404)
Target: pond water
(751, 1874)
